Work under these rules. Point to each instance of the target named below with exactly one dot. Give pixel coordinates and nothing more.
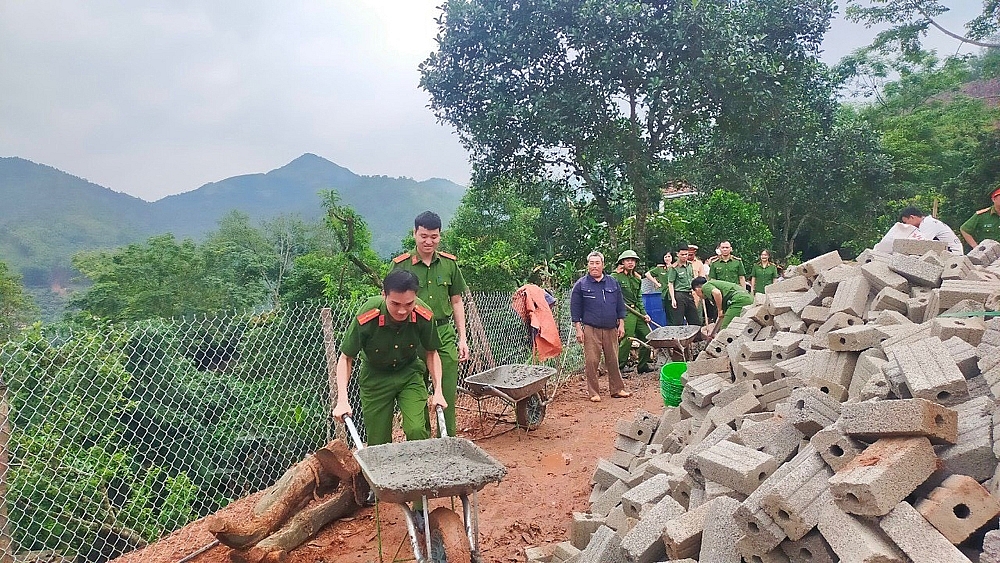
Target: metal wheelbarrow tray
(679, 338)
(515, 381)
(441, 467)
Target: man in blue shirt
(598, 312)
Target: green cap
(627, 254)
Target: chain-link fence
(118, 435)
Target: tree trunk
(318, 472)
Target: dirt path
(548, 479)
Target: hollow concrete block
(756, 350)
(916, 271)
(609, 498)
(775, 436)
(964, 355)
(929, 371)
(798, 366)
(606, 473)
(903, 417)
(856, 539)
(879, 277)
(837, 319)
(984, 253)
(915, 247)
(968, 329)
(917, 538)
(811, 548)
(956, 267)
(736, 466)
(789, 322)
(718, 540)
(644, 543)
(777, 391)
(701, 389)
(796, 501)
(638, 430)
(605, 547)
(806, 298)
(851, 297)
(875, 481)
(702, 367)
(811, 410)
(755, 370)
(836, 448)
(814, 266)
(972, 454)
(865, 368)
(682, 535)
(890, 299)
(583, 526)
(953, 291)
(855, 338)
(958, 507)
(649, 491)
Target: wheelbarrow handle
(353, 431)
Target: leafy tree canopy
(910, 20)
(16, 308)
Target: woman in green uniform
(763, 273)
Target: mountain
(48, 215)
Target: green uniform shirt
(763, 277)
(631, 290)
(661, 273)
(438, 282)
(384, 344)
(729, 291)
(729, 271)
(985, 224)
(681, 277)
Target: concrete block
(796, 501)
(682, 535)
(966, 306)
(877, 386)
(749, 553)
(618, 522)
(964, 355)
(776, 437)
(735, 391)
(668, 418)
(583, 526)
(916, 271)
(956, 267)
(879, 277)
(985, 253)
(643, 543)
(815, 314)
(836, 320)
(851, 297)
(787, 285)
(826, 282)
(888, 318)
(761, 533)
(991, 547)
(649, 491)
(766, 333)
(953, 291)
(930, 372)
(856, 539)
(874, 482)
(626, 444)
(702, 367)
(640, 431)
(813, 267)
(537, 555)
(606, 473)
(864, 369)
(904, 334)
(972, 454)
(836, 448)
(746, 327)
(811, 410)
(958, 507)
(916, 247)
(924, 308)
(563, 551)
(715, 490)
(759, 314)
(755, 370)
(733, 412)
(690, 460)
(789, 322)
(968, 329)
(718, 540)
(872, 255)
(735, 466)
(779, 303)
(854, 338)
(756, 350)
(871, 420)
(917, 538)
(807, 298)
(610, 498)
(889, 299)
(605, 547)
(811, 548)
(777, 391)
(621, 459)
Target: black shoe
(644, 369)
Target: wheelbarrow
(403, 472)
(521, 386)
(679, 339)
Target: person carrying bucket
(729, 299)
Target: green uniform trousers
(734, 309)
(449, 375)
(635, 328)
(381, 392)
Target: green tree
(16, 308)
(908, 22)
(604, 95)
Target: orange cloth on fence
(529, 302)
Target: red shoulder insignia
(367, 316)
(400, 258)
(448, 256)
(981, 211)
(423, 312)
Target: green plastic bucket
(671, 385)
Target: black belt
(444, 321)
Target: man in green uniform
(682, 305)
(728, 297)
(388, 332)
(728, 267)
(636, 318)
(985, 223)
(441, 287)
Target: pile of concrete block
(841, 417)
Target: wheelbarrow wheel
(530, 411)
(449, 543)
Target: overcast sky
(156, 98)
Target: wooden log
(305, 524)
(304, 481)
